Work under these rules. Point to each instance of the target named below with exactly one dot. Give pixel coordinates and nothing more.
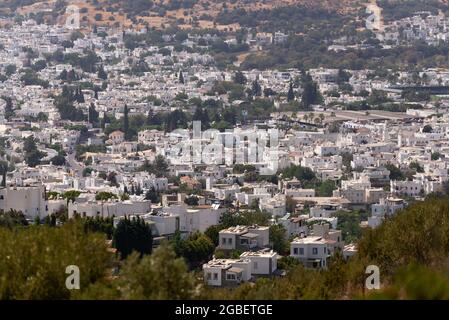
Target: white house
(313, 252)
(109, 208)
(30, 200)
(244, 238)
(407, 188)
(263, 262)
(220, 272)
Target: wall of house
(261, 265)
(213, 281)
(227, 241)
(29, 200)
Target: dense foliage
(132, 234)
(410, 250)
(33, 260)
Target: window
(301, 251)
(295, 251)
(324, 250)
(209, 276)
(230, 276)
(255, 265)
(223, 240)
(215, 276)
(315, 251)
(230, 240)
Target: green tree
(32, 155)
(161, 276)
(278, 239)
(71, 195)
(133, 235)
(9, 107)
(153, 196)
(12, 218)
(126, 122)
(395, 172)
(34, 261)
(436, 156)
(416, 167)
(256, 89)
(303, 174)
(99, 224)
(326, 188)
(102, 74)
(290, 204)
(191, 201)
(105, 196)
(291, 93)
(93, 114)
(212, 233)
(159, 167)
(239, 78)
(181, 77)
(427, 129)
(197, 248)
(349, 224)
(58, 160)
(310, 94)
(3, 171)
(287, 263)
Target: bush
(33, 261)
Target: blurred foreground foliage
(410, 249)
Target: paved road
(76, 166)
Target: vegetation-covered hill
(188, 13)
(204, 13)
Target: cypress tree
(291, 93)
(126, 121)
(181, 77)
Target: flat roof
(261, 253)
(235, 270)
(323, 200)
(307, 240)
(250, 235)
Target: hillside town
(296, 163)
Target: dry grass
(214, 8)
